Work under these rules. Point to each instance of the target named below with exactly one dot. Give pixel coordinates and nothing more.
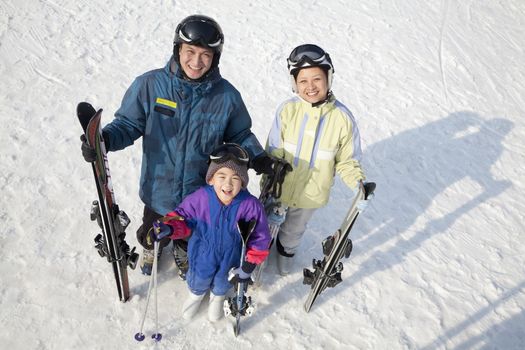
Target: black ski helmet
(202, 31)
(309, 55)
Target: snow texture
(438, 91)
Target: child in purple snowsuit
(210, 220)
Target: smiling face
(227, 184)
(312, 84)
(194, 60)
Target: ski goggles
(229, 151)
(200, 33)
(308, 55)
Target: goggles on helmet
(200, 33)
(308, 55)
(229, 151)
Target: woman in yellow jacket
(318, 136)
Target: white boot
(191, 305)
(216, 307)
(284, 264)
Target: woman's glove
(363, 203)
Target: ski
(110, 243)
(327, 272)
(274, 209)
(240, 304)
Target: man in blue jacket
(182, 112)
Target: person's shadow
(506, 335)
(412, 170)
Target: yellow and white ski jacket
(318, 141)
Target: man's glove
(88, 152)
(263, 164)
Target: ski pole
(152, 285)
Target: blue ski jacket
(214, 246)
(180, 122)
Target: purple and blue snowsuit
(215, 244)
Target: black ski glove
(88, 152)
(263, 164)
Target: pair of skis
(110, 243)
(271, 190)
(241, 304)
(327, 272)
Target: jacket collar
(201, 87)
(329, 100)
(242, 195)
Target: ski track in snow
(438, 91)
(441, 43)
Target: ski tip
(85, 112)
(85, 108)
(140, 336)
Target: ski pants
(292, 230)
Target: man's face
(195, 61)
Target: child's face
(312, 84)
(227, 184)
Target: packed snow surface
(437, 89)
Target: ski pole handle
(160, 231)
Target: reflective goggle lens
(229, 151)
(199, 32)
(309, 52)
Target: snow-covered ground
(438, 90)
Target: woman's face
(312, 84)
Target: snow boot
(284, 264)
(180, 255)
(216, 307)
(146, 264)
(191, 305)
